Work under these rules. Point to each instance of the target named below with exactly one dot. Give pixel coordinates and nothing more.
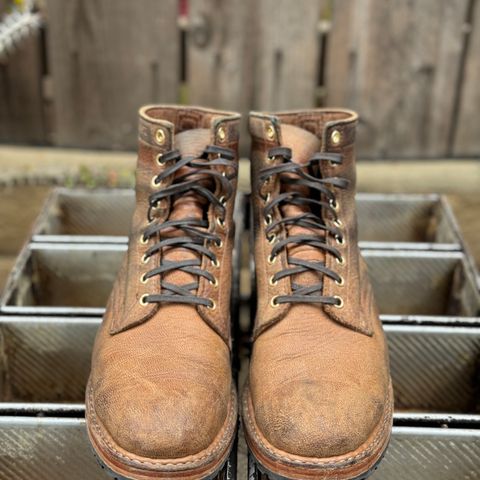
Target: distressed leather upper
(161, 385)
(319, 375)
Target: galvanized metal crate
(435, 368)
(391, 221)
(76, 279)
(45, 442)
(50, 442)
(80, 215)
(424, 286)
(411, 284)
(62, 279)
(425, 448)
(45, 359)
(406, 221)
(44, 368)
(430, 447)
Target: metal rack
(57, 291)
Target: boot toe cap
(311, 420)
(168, 423)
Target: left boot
(318, 403)
(161, 402)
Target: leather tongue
(190, 205)
(303, 145)
(191, 143)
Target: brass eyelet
(267, 198)
(270, 132)
(271, 259)
(159, 159)
(271, 239)
(340, 239)
(160, 136)
(144, 279)
(272, 281)
(215, 263)
(340, 282)
(214, 282)
(145, 258)
(143, 240)
(335, 205)
(268, 220)
(336, 137)
(213, 305)
(154, 182)
(219, 244)
(339, 303)
(273, 302)
(222, 200)
(220, 222)
(143, 299)
(338, 223)
(341, 260)
(222, 134)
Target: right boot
(318, 401)
(161, 402)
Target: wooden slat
(21, 100)
(220, 57)
(286, 53)
(397, 63)
(218, 54)
(467, 130)
(260, 54)
(108, 57)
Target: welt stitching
(160, 463)
(340, 463)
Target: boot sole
(133, 468)
(224, 472)
(338, 468)
(258, 472)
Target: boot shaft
(324, 141)
(186, 177)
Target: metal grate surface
(45, 360)
(85, 213)
(434, 368)
(431, 454)
(46, 449)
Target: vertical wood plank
(108, 57)
(21, 100)
(220, 56)
(397, 64)
(467, 130)
(286, 53)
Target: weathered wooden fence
(410, 67)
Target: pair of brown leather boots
(161, 402)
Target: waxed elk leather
(160, 399)
(318, 401)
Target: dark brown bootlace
(321, 198)
(197, 235)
